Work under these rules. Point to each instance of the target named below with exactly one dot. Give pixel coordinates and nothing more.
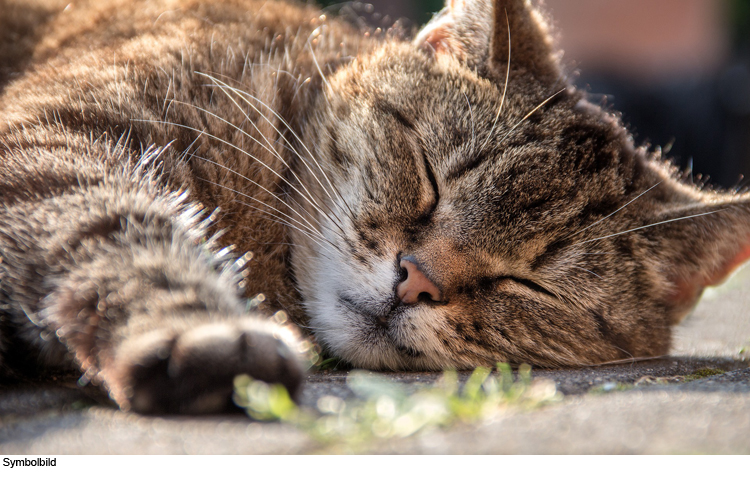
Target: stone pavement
(608, 409)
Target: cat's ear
(487, 34)
(701, 237)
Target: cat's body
(416, 205)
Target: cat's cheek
(410, 342)
(330, 327)
(343, 333)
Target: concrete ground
(608, 409)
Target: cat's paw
(192, 371)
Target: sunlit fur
(554, 187)
(137, 136)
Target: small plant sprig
(384, 409)
(744, 351)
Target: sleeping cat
(446, 201)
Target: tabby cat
(446, 201)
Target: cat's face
(468, 222)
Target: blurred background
(678, 70)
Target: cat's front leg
(118, 275)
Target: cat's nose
(416, 286)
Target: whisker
(281, 221)
(276, 197)
(629, 360)
(317, 66)
(600, 253)
(589, 271)
(242, 94)
(299, 139)
(617, 210)
(647, 226)
(306, 227)
(531, 113)
(270, 149)
(302, 229)
(190, 128)
(505, 89)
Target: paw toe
(193, 371)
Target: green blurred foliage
(418, 11)
(382, 408)
(739, 15)
(428, 7)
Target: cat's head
(476, 208)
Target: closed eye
(528, 284)
(433, 182)
(465, 167)
(408, 125)
(426, 214)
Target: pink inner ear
(438, 35)
(438, 40)
(688, 289)
(731, 266)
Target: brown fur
(331, 155)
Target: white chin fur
(324, 275)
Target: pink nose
(416, 283)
